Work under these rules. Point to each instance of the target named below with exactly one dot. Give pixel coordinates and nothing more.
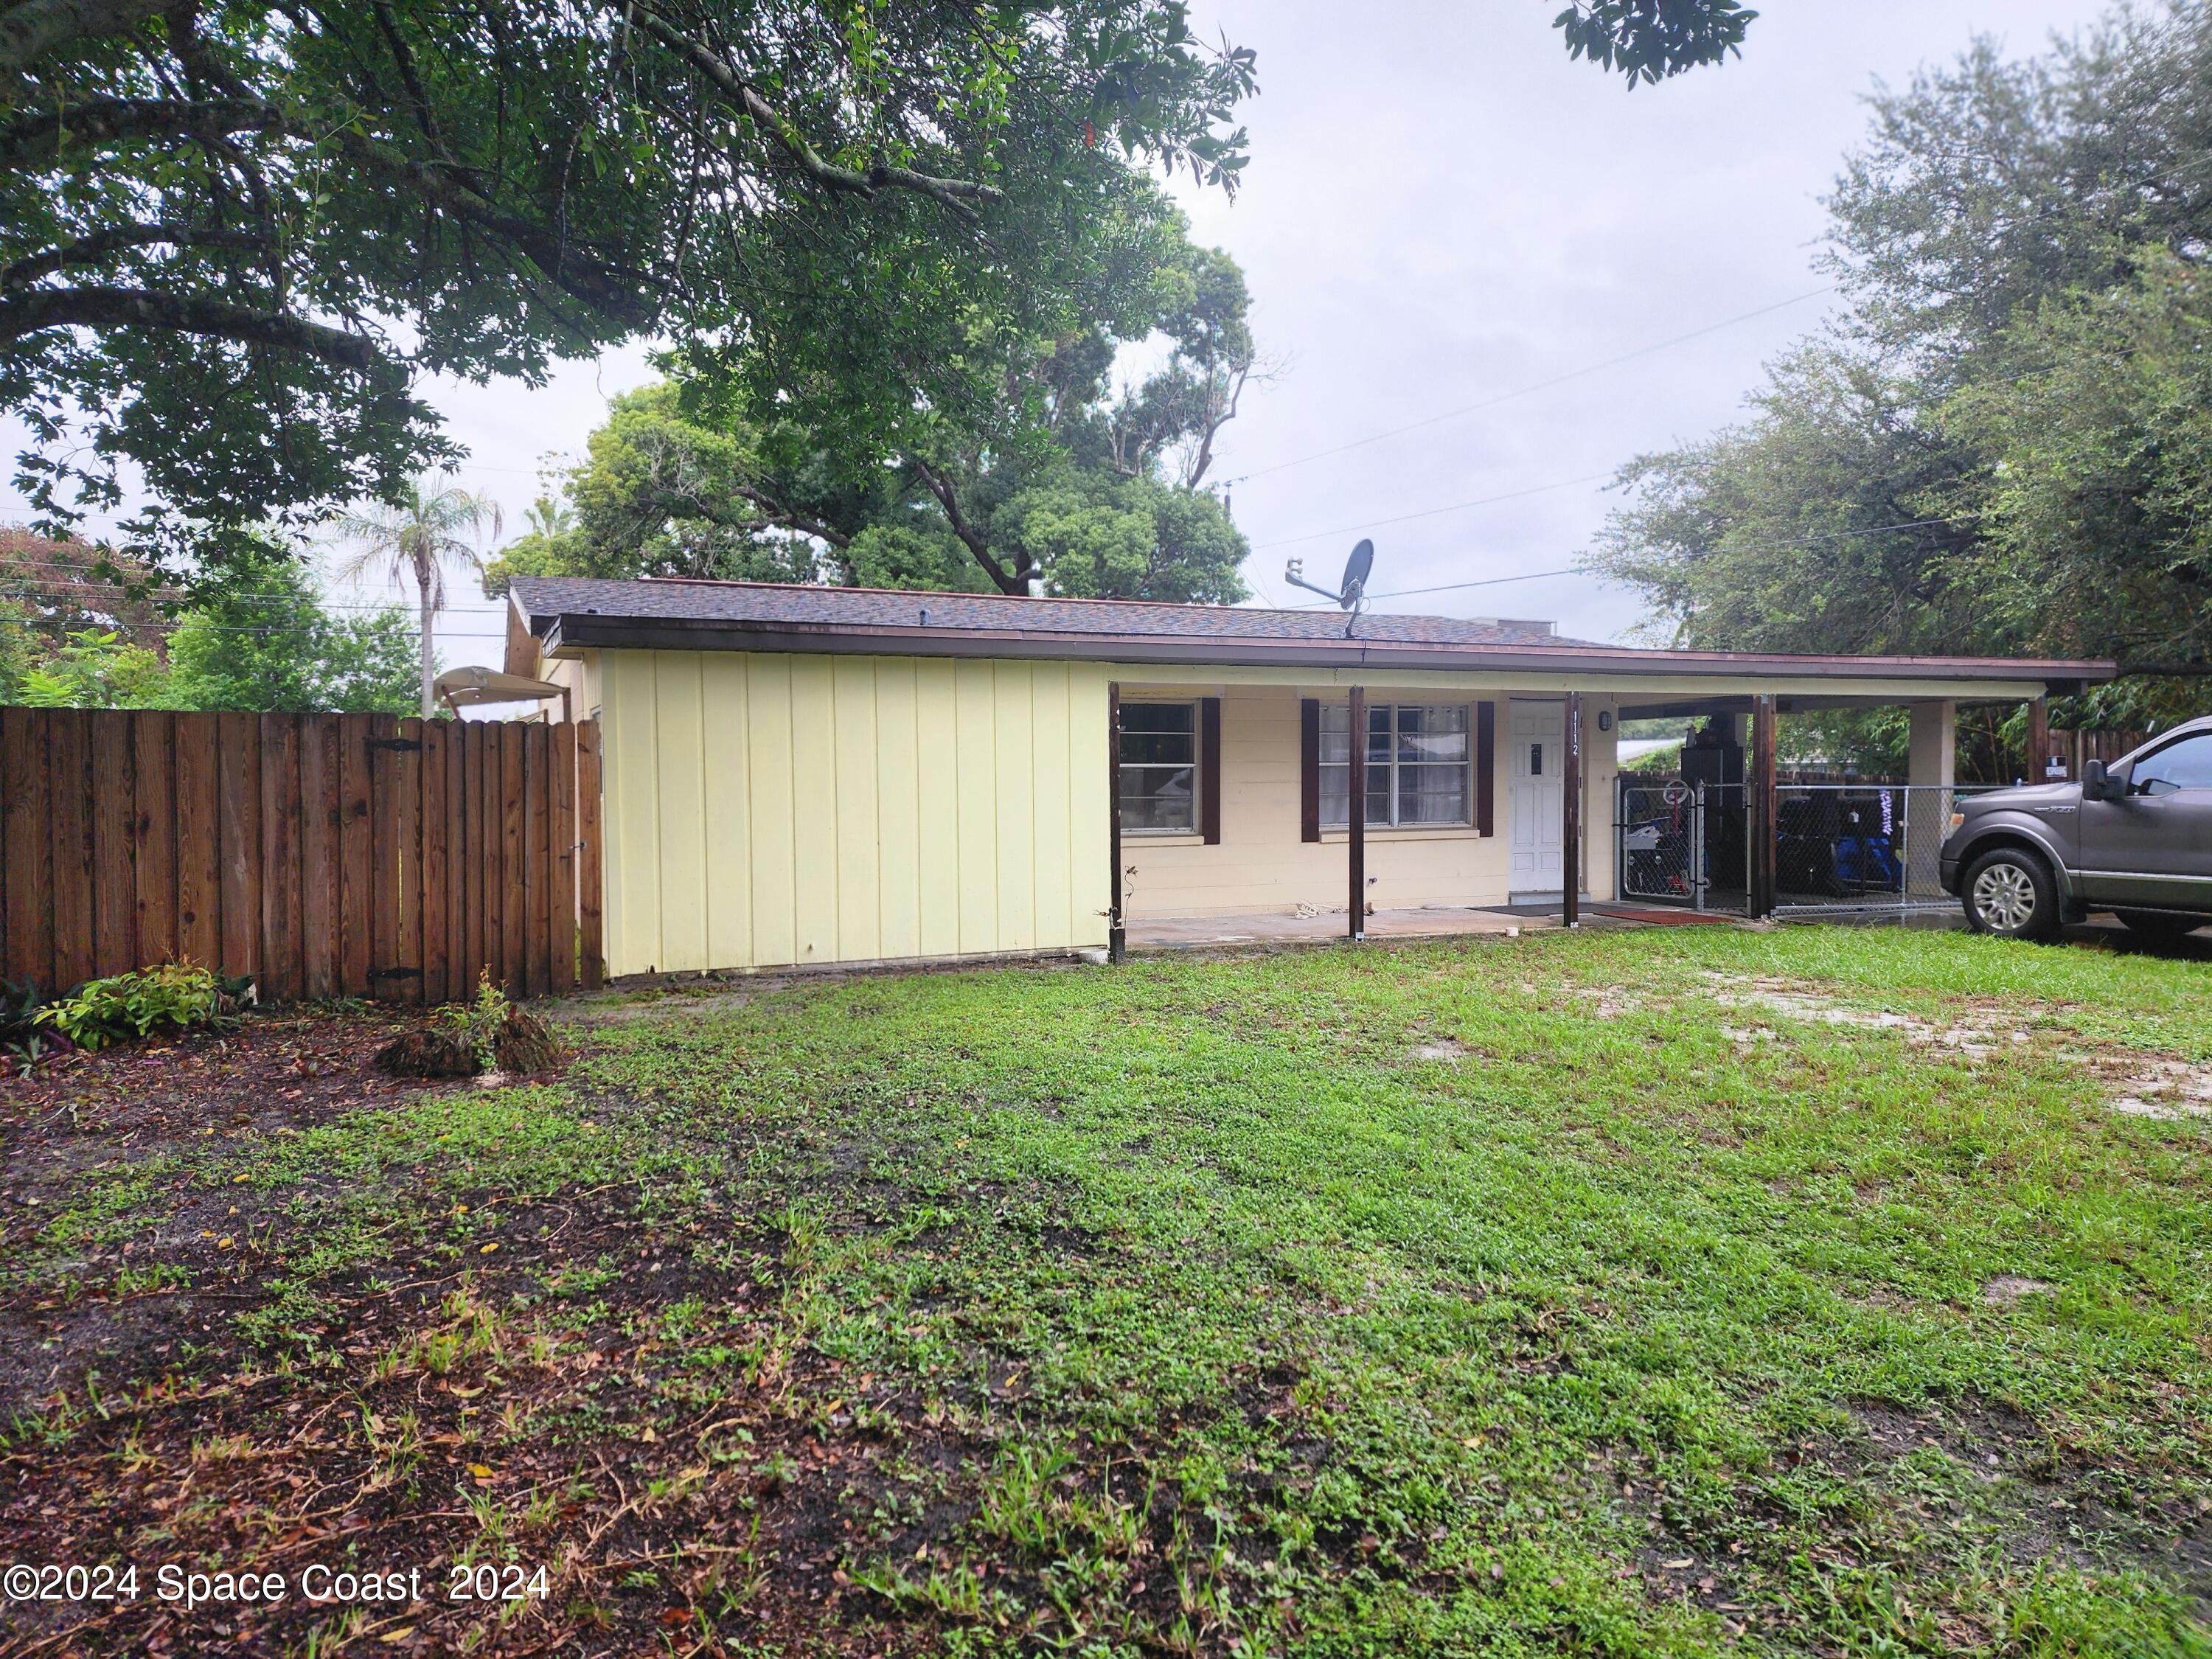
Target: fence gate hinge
(408, 745)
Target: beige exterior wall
(1262, 865)
(776, 810)
(770, 810)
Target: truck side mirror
(2097, 783)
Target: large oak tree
(233, 233)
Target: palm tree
(432, 523)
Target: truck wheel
(2159, 925)
(2010, 892)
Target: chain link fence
(1839, 848)
(1850, 847)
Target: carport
(1727, 833)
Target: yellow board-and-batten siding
(769, 810)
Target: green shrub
(21, 1035)
(478, 1022)
(125, 1007)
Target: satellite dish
(1351, 590)
(1356, 570)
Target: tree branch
(91, 250)
(941, 488)
(127, 307)
(31, 28)
(110, 120)
(955, 194)
(806, 524)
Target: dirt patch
(1793, 1001)
(1609, 1001)
(1447, 1050)
(2006, 1288)
(2152, 1085)
(274, 1074)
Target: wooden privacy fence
(324, 854)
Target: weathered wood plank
(468, 857)
(320, 936)
(238, 812)
(357, 872)
(537, 836)
(280, 952)
(461, 974)
(407, 809)
(114, 892)
(25, 815)
(492, 881)
(435, 958)
(68, 784)
(515, 912)
(560, 829)
(383, 857)
(199, 840)
(591, 874)
(154, 832)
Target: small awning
(459, 688)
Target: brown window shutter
(1209, 769)
(1309, 768)
(1485, 768)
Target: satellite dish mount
(1352, 593)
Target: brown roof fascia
(679, 634)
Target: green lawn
(1677, 1291)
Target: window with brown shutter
(1209, 769)
(1309, 769)
(1485, 768)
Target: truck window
(2183, 765)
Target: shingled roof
(573, 611)
(660, 600)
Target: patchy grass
(1671, 1292)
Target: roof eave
(578, 630)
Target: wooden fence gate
(324, 854)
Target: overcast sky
(1441, 209)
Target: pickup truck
(2134, 837)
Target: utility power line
(1432, 511)
(1535, 386)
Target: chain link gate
(1660, 834)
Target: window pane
(1431, 794)
(1432, 733)
(1159, 733)
(2185, 765)
(1335, 797)
(1378, 736)
(1378, 795)
(1157, 717)
(1157, 749)
(1335, 723)
(1159, 798)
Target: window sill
(1158, 836)
(1409, 832)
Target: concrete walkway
(1280, 927)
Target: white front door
(1539, 748)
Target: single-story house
(796, 775)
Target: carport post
(1932, 769)
(1759, 826)
(1117, 933)
(1570, 817)
(1357, 813)
(2039, 754)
